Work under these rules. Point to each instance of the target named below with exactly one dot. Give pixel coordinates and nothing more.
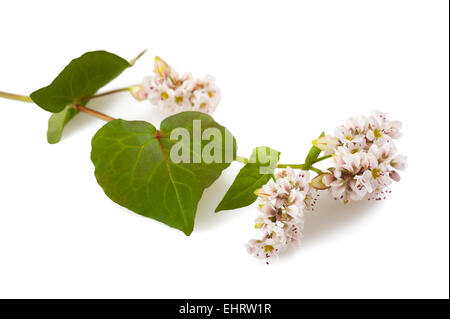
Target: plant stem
(81, 108)
(242, 160)
(17, 97)
(24, 98)
(92, 112)
(303, 166)
(318, 171)
(300, 166)
(106, 93)
(322, 158)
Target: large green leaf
(81, 78)
(57, 121)
(252, 176)
(135, 166)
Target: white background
(287, 70)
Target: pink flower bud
(394, 175)
(138, 92)
(322, 181)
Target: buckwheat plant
(161, 173)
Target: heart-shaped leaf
(253, 175)
(141, 168)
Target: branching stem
(322, 158)
(106, 93)
(244, 160)
(79, 107)
(84, 109)
(92, 112)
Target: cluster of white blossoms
(175, 93)
(365, 158)
(282, 206)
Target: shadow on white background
(81, 121)
(331, 216)
(328, 218)
(206, 219)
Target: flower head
(365, 158)
(282, 204)
(175, 93)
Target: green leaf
(252, 176)
(136, 166)
(313, 154)
(133, 61)
(81, 78)
(57, 121)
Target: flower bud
(322, 181)
(260, 192)
(161, 67)
(394, 175)
(138, 92)
(326, 143)
(321, 142)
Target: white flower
(364, 156)
(175, 93)
(282, 206)
(382, 126)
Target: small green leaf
(135, 166)
(80, 79)
(133, 61)
(313, 154)
(57, 121)
(252, 176)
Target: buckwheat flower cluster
(365, 158)
(282, 204)
(175, 93)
